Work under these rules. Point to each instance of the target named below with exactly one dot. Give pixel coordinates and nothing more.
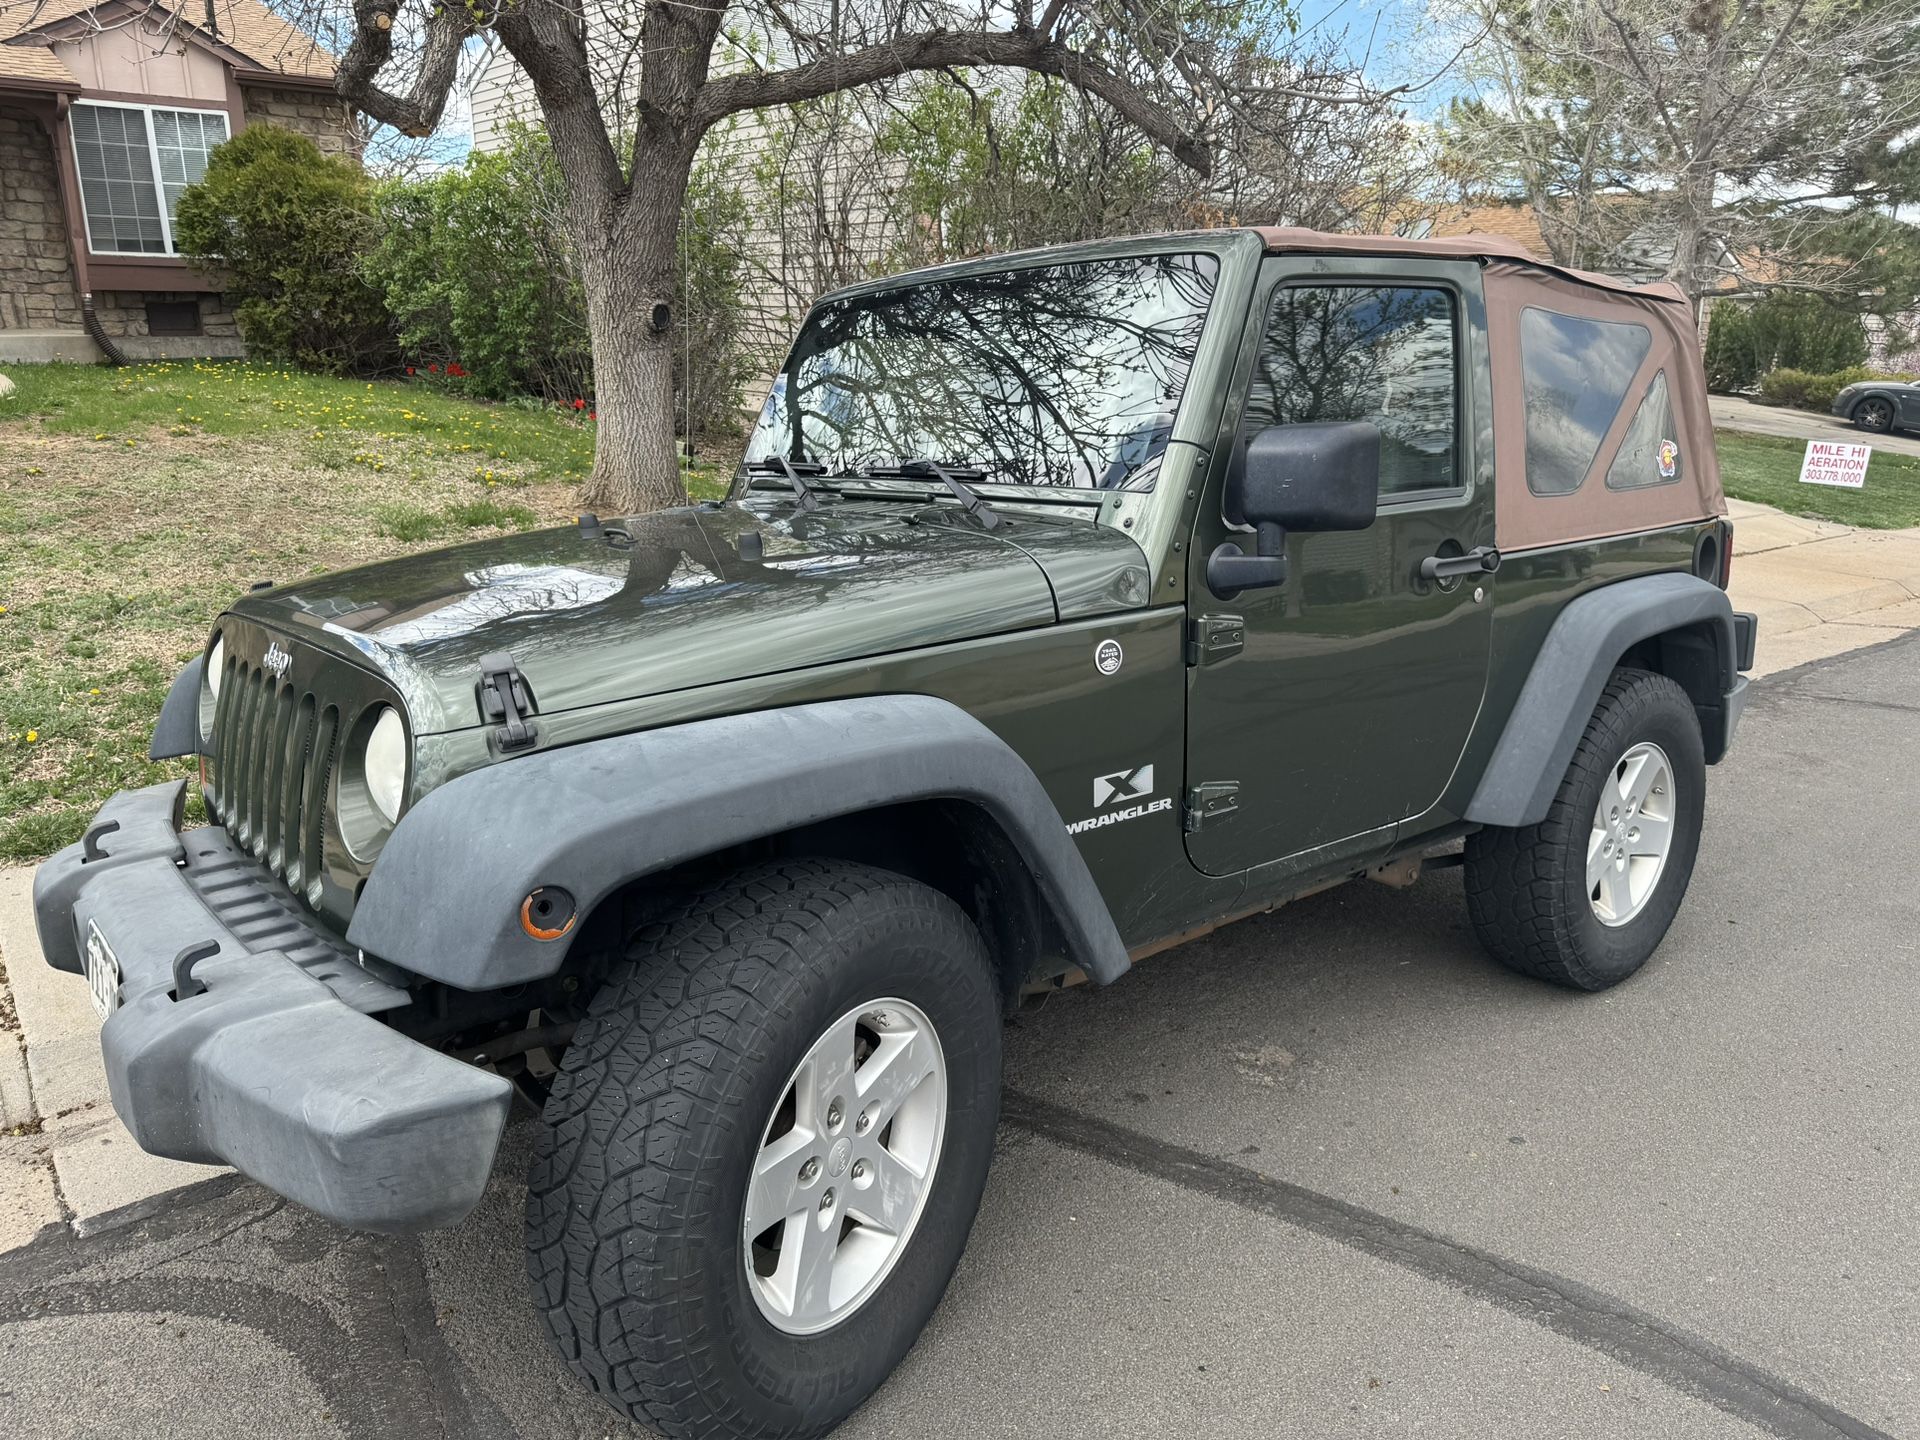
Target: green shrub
(287, 228)
(478, 271)
(1797, 331)
(1732, 360)
(1804, 391)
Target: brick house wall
(36, 265)
(325, 119)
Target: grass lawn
(136, 503)
(1766, 468)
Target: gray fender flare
(1584, 644)
(444, 896)
(177, 731)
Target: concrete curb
(72, 1162)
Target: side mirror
(1295, 477)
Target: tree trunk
(627, 271)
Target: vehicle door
(1326, 709)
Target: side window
(1576, 373)
(1380, 353)
(1649, 455)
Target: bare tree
(693, 63)
(1731, 140)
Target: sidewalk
(1821, 589)
(65, 1159)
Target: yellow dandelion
(33, 737)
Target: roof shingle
(272, 43)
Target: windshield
(1064, 375)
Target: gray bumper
(277, 1067)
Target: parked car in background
(1880, 406)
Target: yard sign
(1829, 462)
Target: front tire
(1584, 898)
(696, 1261)
(1874, 415)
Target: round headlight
(210, 677)
(385, 765)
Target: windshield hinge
(506, 702)
(1215, 637)
(1209, 800)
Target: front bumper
(277, 1066)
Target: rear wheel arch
(1696, 657)
(1673, 624)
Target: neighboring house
(108, 109)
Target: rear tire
(1573, 900)
(658, 1146)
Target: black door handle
(1481, 560)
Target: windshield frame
(1186, 432)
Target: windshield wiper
(804, 495)
(950, 476)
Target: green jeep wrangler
(1066, 606)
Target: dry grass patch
(115, 557)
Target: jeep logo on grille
(277, 660)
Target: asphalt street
(1327, 1173)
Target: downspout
(98, 331)
(76, 234)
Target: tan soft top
(1516, 280)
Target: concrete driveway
(1730, 412)
(1329, 1173)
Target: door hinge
(1209, 801)
(1215, 637)
(506, 702)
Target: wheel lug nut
(809, 1172)
(860, 1125)
(859, 1169)
(834, 1113)
(826, 1202)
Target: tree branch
(418, 111)
(939, 50)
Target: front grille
(273, 754)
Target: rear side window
(1650, 453)
(1577, 372)
(1379, 353)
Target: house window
(133, 162)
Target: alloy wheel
(1632, 833)
(845, 1164)
(1874, 415)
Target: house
(108, 110)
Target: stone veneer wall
(37, 290)
(320, 115)
(36, 267)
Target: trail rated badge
(1107, 656)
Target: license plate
(103, 972)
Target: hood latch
(506, 701)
